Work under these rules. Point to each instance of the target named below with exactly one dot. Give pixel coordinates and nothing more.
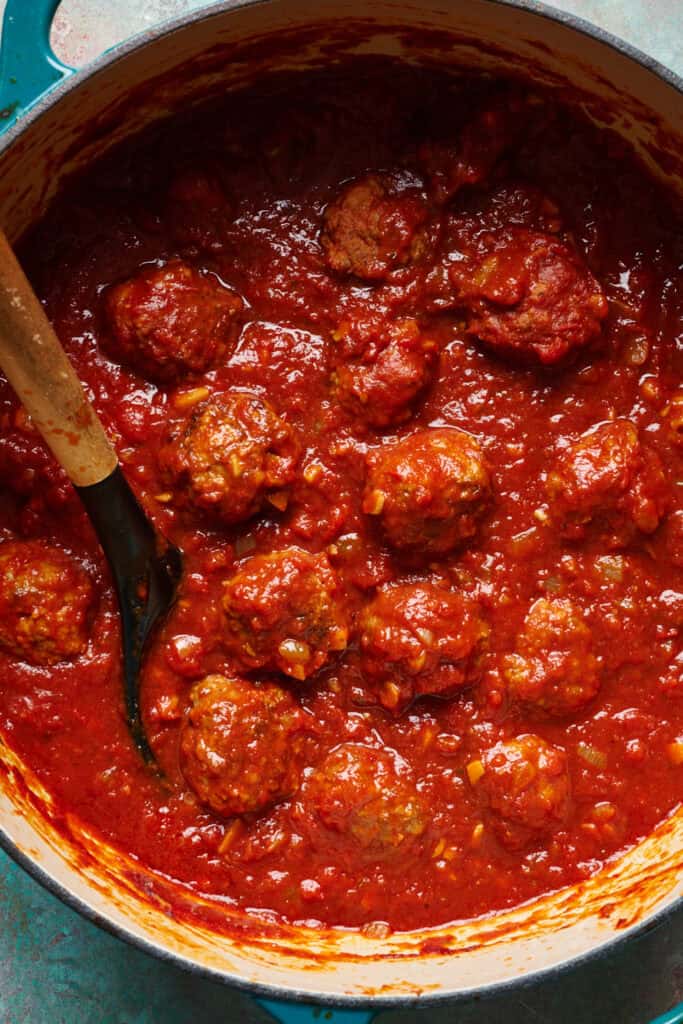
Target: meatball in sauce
(232, 455)
(285, 611)
(429, 491)
(367, 795)
(46, 603)
(609, 481)
(525, 784)
(417, 640)
(170, 322)
(242, 745)
(374, 226)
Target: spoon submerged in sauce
(145, 567)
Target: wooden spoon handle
(36, 366)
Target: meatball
(525, 784)
(46, 603)
(530, 297)
(367, 796)
(429, 490)
(169, 322)
(242, 745)
(230, 456)
(553, 667)
(374, 226)
(418, 639)
(285, 611)
(381, 387)
(609, 480)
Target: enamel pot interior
(227, 46)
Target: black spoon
(145, 567)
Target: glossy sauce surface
(240, 193)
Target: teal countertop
(56, 968)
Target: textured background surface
(84, 28)
(56, 968)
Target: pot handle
(292, 1013)
(674, 1016)
(299, 1013)
(28, 67)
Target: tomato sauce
(527, 274)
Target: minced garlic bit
(475, 770)
(280, 499)
(374, 503)
(188, 399)
(312, 472)
(232, 834)
(477, 834)
(426, 636)
(439, 848)
(295, 651)
(417, 663)
(391, 695)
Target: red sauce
(373, 261)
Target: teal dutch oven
(54, 122)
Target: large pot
(76, 119)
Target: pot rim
(166, 28)
(274, 992)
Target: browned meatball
(525, 784)
(46, 603)
(418, 639)
(373, 226)
(169, 322)
(367, 796)
(381, 387)
(608, 479)
(233, 454)
(285, 611)
(530, 297)
(242, 745)
(553, 667)
(429, 490)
